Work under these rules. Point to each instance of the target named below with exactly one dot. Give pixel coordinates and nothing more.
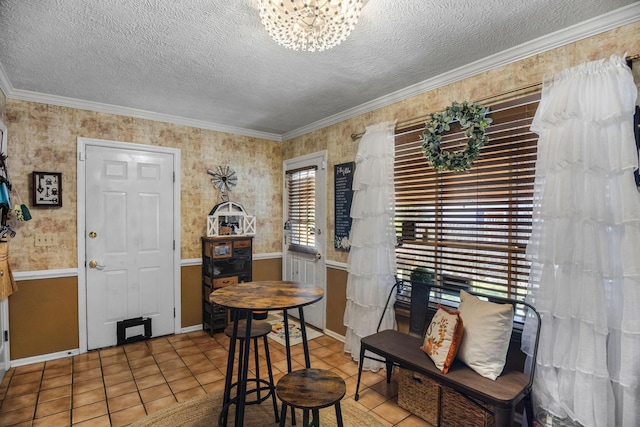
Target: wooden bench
(510, 388)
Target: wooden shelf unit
(226, 260)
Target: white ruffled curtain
(372, 260)
(585, 248)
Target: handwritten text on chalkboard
(343, 174)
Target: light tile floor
(119, 385)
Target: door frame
(81, 227)
(321, 195)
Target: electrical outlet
(46, 239)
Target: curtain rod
(416, 120)
(632, 57)
(528, 102)
(629, 60)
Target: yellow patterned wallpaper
(44, 137)
(337, 141)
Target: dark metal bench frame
(512, 386)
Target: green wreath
(472, 118)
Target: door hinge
(6, 335)
(174, 312)
(174, 245)
(81, 156)
(174, 177)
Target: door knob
(318, 256)
(94, 264)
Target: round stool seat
(311, 388)
(258, 329)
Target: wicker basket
(439, 405)
(460, 411)
(419, 395)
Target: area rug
(295, 334)
(204, 411)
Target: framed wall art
(47, 189)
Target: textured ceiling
(211, 61)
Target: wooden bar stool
(311, 390)
(258, 329)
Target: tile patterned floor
(117, 386)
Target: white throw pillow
(487, 332)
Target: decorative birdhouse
(230, 219)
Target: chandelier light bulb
(311, 25)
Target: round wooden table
(259, 296)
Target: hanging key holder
(20, 209)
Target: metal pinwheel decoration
(223, 179)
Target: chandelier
(312, 25)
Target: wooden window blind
(469, 227)
(301, 222)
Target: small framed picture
(47, 189)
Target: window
(301, 222)
(469, 227)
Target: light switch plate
(46, 239)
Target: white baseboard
(44, 357)
(193, 328)
(334, 335)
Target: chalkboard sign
(343, 174)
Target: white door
(305, 238)
(129, 242)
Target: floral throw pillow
(443, 338)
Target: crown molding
(5, 84)
(582, 30)
(25, 95)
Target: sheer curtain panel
(585, 247)
(371, 264)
